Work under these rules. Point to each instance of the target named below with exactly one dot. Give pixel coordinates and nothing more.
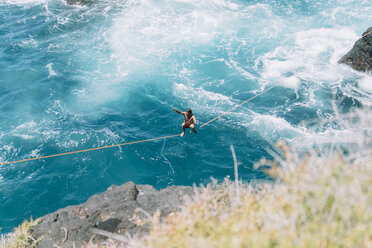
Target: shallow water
(77, 77)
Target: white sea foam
(22, 2)
(273, 127)
(234, 64)
(200, 97)
(31, 130)
(315, 42)
(168, 38)
(31, 42)
(34, 153)
(52, 73)
(349, 132)
(313, 58)
(26, 125)
(366, 83)
(7, 148)
(147, 32)
(348, 13)
(110, 135)
(7, 151)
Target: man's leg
(183, 129)
(192, 126)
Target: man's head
(188, 111)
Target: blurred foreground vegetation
(316, 200)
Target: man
(190, 120)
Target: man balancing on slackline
(190, 120)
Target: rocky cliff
(112, 211)
(79, 2)
(360, 56)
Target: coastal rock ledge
(360, 56)
(76, 2)
(112, 211)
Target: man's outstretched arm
(177, 111)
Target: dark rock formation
(360, 56)
(111, 211)
(80, 2)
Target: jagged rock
(360, 56)
(111, 211)
(80, 2)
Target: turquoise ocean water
(77, 77)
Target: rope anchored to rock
(370, 32)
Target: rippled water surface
(77, 77)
